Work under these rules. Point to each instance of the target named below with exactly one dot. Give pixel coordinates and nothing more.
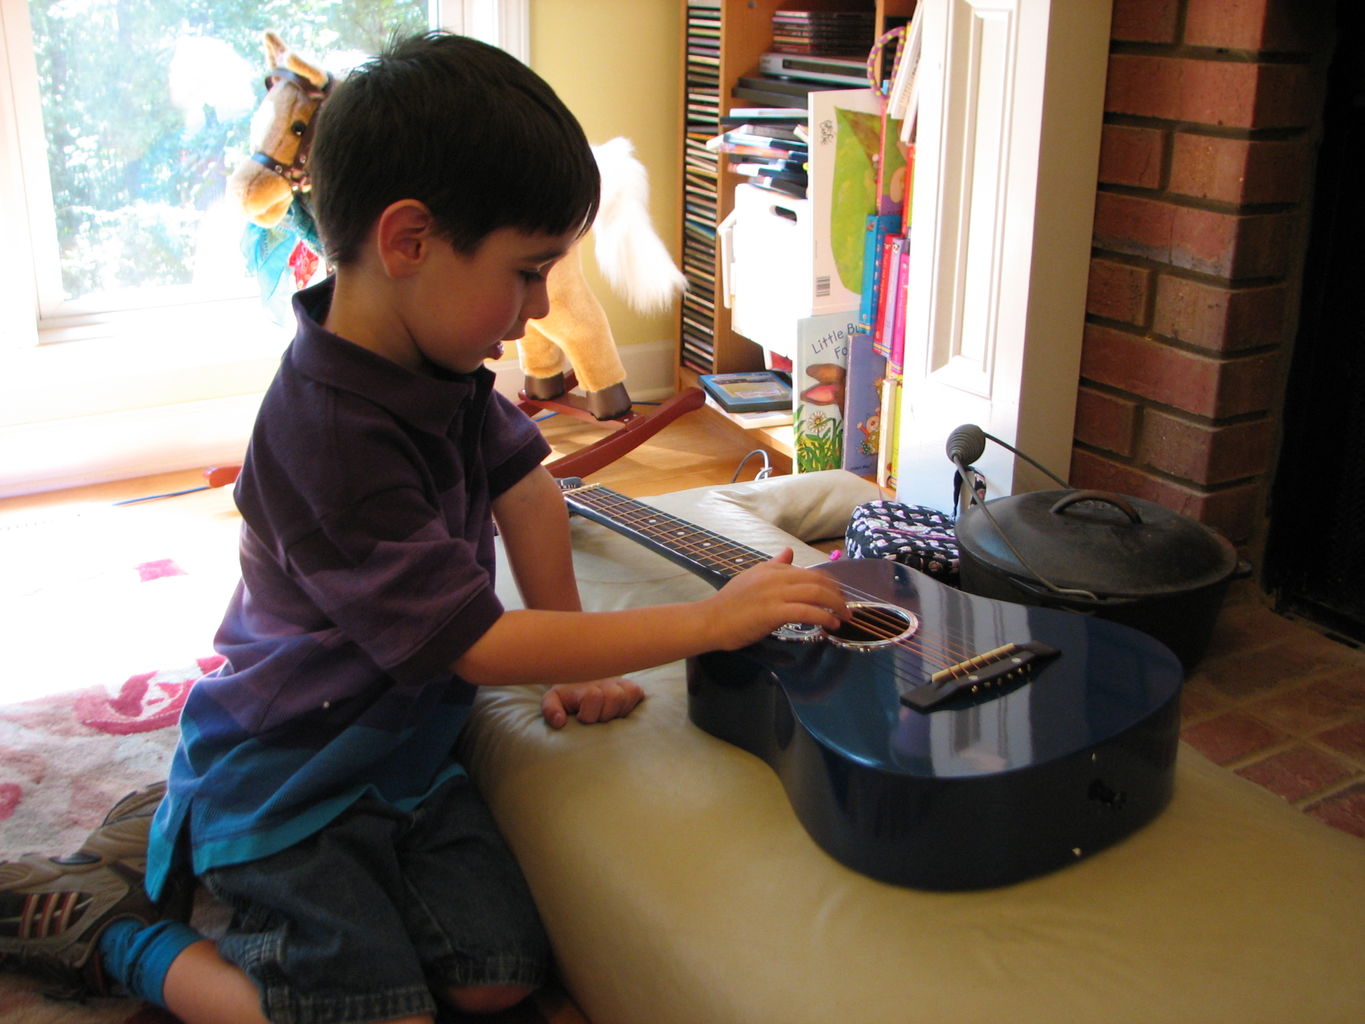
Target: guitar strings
(955, 659)
(730, 558)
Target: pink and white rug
(107, 617)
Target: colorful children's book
(845, 145)
(863, 404)
(892, 247)
(895, 330)
(890, 420)
(894, 370)
(819, 382)
(891, 169)
(878, 227)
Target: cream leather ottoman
(679, 888)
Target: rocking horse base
(630, 429)
(610, 403)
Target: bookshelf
(723, 40)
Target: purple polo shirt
(367, 570)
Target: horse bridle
(295, 173)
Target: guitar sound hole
(873, 625)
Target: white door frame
(1007, 155)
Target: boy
(314, 789)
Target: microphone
(966, 444)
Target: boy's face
(467, 305)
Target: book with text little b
(819, 382)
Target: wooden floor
(697, 449)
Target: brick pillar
(1206, 166)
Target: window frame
(99, 368)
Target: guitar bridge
(992, 670)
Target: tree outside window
(146, 108)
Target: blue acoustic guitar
(940, 740)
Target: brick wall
(1205, 186)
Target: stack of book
(765, 132)
(697, 326)
(878, 350)
(772, 154)
(830, 33)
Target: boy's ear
(404, 236)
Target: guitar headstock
(569, 486)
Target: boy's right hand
(770, 595)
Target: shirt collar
(428, 402)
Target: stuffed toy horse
(272, 188)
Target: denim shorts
(366, 919)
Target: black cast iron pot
(1124, 559)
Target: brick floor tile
(1252, 672)
(1344, 810)
(1246, 625)
(1345, 688)
(1199, 700)
(1349, 739)
(1231, 737)
(1302, 711)
(1297, 773)
(1283, 705)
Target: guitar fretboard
(709, 555)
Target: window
(122, 281)
(144, 112)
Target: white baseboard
(82, 450)
(85, 450)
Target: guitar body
(984, 789)
(941, 740)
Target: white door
(1007, 153)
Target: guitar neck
(711, 556)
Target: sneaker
(122, 836)
(53, 910)
(141, 803)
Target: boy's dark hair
(459, 125)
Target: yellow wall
(617, 65)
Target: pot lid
(1109, 544)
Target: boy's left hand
(598, 701)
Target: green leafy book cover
(845, 153)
